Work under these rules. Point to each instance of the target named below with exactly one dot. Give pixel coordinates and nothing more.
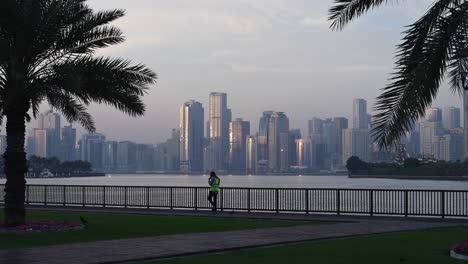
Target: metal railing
(397, 202)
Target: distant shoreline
(407, 177)
(77, 175)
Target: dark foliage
(433, 48)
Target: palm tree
(47, 54)
(433, 48)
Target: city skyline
(230, 145)
(253, 50)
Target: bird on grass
(84, 221)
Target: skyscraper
(251, 155)
(303, 150)
(173, 151)
(318, 153)
(40, 143)
(262, 137)
(294, 134)
(238, 132)
(144, 157)
(109, 157)
(356, 142)
(278, 139)
(68, 144)
(220, 116)
(191, 136)
(451, 117)
(48, 131)
(91, 149)
(341, 124)
(428, 130)
(126, 156)
(434, 115)
(360, 118)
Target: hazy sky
(266, 54)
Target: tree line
(410, 167)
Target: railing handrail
(252, 188)
(402, 202)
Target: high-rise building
(318, 145)
(68, 144)
(278, 142)
(303, 150)
(356, 142)
(50, 123)
(40, 143)
(91, 149)
(191, 137)
(262, 137)
(451, 117)
(428, 130)
(251, 155)
(238, 132)
(144, 158)
(109, 157)
(341, 124)
(360, 117)
(30, 143)
(294, 134)
(220, 117)
(316, 129)
(173, 151)
(126, 156)
(433, 115)
(161, 159)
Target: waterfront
(254, 181)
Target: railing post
(221, 199)
(45, 194)
(27, 194)
(371, 202)
(103, 196)
(442, 204)
(338, 202)
(64, 195)
(148, 197)
(171, 202)
(83, 193)
(196, 198)
(125, 195)
(307, 201)
(248, 200)
(406, 203)
(277, 200)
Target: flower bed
(42, 226)
(460, 251)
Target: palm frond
(344, 11)
(103, 80)
(420, 70)
(72, 110)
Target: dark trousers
(212, 198)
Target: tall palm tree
(47, 54)
(433, 48)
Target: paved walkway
(187, 244)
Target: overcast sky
(266, 54)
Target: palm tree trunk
(15, 169)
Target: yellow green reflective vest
(215, 185)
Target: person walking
(214, 183)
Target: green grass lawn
(424, 247)
(119, 226)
